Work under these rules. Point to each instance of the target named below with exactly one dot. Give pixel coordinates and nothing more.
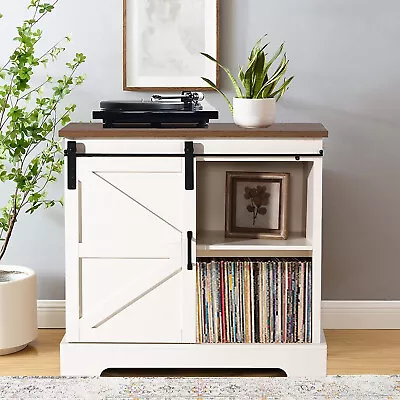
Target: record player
(175, 111)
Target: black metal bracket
(70, 153)
(189, 166)
(189, 250)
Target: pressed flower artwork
(256, 204)
(259, 198)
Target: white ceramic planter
(254, 113)
(18, 308)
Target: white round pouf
(18, 308)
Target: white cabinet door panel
(153, 319)
(125, 216)
(157, 196)
(131, 300)
(132, 245)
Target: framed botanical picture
(256, 204)
(162, 43)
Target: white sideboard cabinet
(142, 207)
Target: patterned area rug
(333, 387)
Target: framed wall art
(256, 204)
(162, 41)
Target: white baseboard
(51, 313)
(335, 314)
(360, 314)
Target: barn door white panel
(143, 304)
(131, 270)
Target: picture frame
(162, 41)
(256, 205)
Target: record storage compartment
(254, 301)
(267, 282)
(165, 215)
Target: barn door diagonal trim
(137, 298)
(137, 202)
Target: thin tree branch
(3, 111)
(45, 13)
(8, 236)
(51, 48)
(11, 224)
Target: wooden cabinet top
(226, 130)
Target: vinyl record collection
(254, 301)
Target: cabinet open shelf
(214, 243)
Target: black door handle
(189, 250)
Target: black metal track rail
(176, 155)
(129, 155)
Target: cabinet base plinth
(91, 359)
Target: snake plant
(257, 80)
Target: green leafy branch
(30, 152)
(257, 80)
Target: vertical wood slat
(72, 270)
(316, 183)
(189, 301)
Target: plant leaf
(279, 92)
(274, 57)
(232, 78)
(267, 90)
(249, 79)
(271, 61)
(255, 70)
(241, 75)
(278, 74)
(256, 47)
(282, 64)
(259, 72)
(267, 87)
(214, 86)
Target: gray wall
(345, 56)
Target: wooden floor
(349, 352)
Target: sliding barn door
(133, 233)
